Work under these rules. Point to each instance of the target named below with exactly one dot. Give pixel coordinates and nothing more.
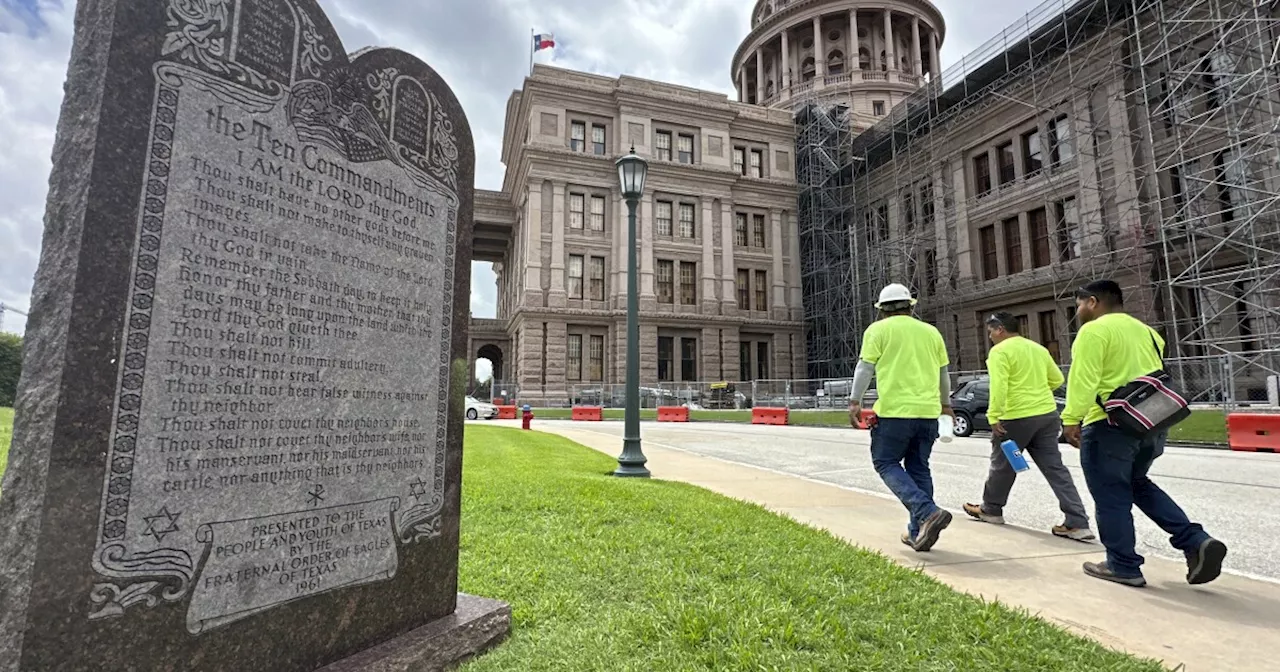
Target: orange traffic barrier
(768, 416)
(1253, 433)
(673, 414)
(499, 401)
(588, 413)
(506, 412)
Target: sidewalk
(1230, 624)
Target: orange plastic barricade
(673, 414)
(506, 412)
(768, 416)
(1253, 433)
(588, 413)
(499, 401)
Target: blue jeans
(1115, 468)
(900, 449)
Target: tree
(10, 367)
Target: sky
(480, 47)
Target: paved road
(1236, 496)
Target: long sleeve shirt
(1023, 378)
(1108, 353)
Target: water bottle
(1014, 454)
(946, 428)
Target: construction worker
(1112, 349)
(909, 362)
(1022, 409)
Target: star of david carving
(161, 524)
(418, 488)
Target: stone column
(760, 92)
(964, 251)
(890, 61)
(618, 236)
(852, 58)
(533, 246)
(819, 52)
(556, 297)
(786, 64)
(915, 46)
(648, 299)
(777, 307)
(728, 270)
(557, 390)
(706, 230)
(742, 83)
(935, 65)
(796, 304)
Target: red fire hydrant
(527, 418)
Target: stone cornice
(650, 316)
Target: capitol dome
(835, 51)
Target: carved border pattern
(199, 37)
(382, 83)
(314, 50)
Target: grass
(612, 574)
(6, 435)
(1204, 426)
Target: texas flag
(543, 41)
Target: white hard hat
(895, 293)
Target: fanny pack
(1147, 404)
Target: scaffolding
(1167, 151)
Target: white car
(477, 409)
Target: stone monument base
(477, 625)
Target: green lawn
(612, 574)
(6, 434)
(1205, 426)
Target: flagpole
(530, 52)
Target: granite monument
(239, 433)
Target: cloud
(481, 47)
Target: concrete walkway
(1230, 624)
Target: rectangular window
(740, 160)
(597, 213)
(1060, 148)
(1023, 325)
(688, 359)
(882, 221)
(744, 289)
(666, 281)
(1244, 322)
(574, 358)
(596, 278)
(757, 231)
(597, 139)
(663, 218)
(1068, 229)
(1032, 156)
(1049, 334)
(762, 291)
(1012, 245)
(757, 163)
(687, 224)
(666, 355)
(575, 276)
(909, 213)
(1007, 169)
(762, 360)
(576, 214)
(987, 241)
(1038, 222)
(740, 230)
(744, 360)
(982, 174)
(578, 136)
(930, 271)
(685, 148)
(663, 145)
(688, 283)
(877, 108)
(595, 358)
(926, 204)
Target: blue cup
(1014, 454)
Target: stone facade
(718, 266)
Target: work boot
(931, 528)
(1100, 570)
(975, 511)
(906, 539)
(1074, 533)
(1205, 563)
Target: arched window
(807, 69)
(864, 59)
(835, 62)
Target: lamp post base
(631, 462)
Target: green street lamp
(631, 174)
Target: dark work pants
(1037, 436)
(900, 449)
(1115, 469)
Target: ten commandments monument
(238, 436)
